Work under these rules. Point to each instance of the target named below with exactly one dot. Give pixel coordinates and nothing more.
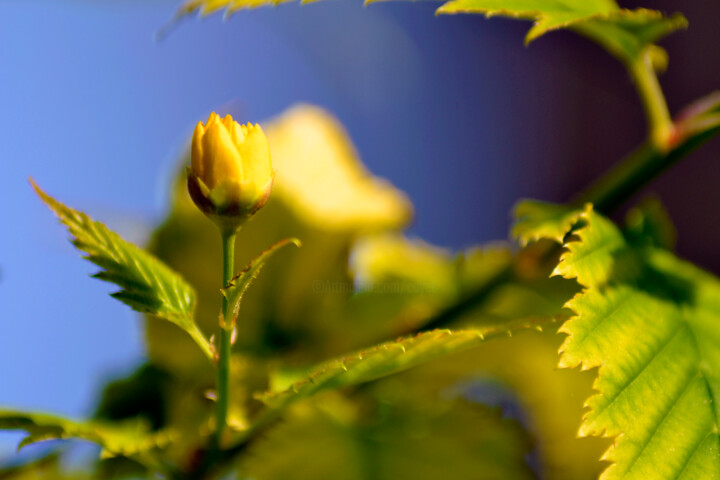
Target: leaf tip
(39, 191)
(444, 9)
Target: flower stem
(223, 366)
(652, 97)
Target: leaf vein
(663, 419)
(664, 344)
(693, 452)
(610, 314)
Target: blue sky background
(453, 110)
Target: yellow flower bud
(230, 175)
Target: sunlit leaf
(536, 220)
(383, 360)
(131, 439)
(625, 33)
(651, 324)
(546, 14)
(147, 285)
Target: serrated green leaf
(547, 14)
(625, 33)
(383, 360)
(651, 323)
(147, 285)
(130, 439)
(537, 220)
(646, 224)
(587, 261)
(239, 283)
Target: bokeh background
(453, 110)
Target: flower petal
(221, 157)
(255, 153)
(196, 158)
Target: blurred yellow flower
(230, 174)
(322, 180)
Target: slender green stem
(223, 366)
(636, 171)
(652, 97)
(471, 301)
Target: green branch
(695, 125)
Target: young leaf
(547, 14)
(130, 439)
(383, 360)
(240, 282)
(623, 32)
(536, 220)
(147, 285)
(651, 323)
